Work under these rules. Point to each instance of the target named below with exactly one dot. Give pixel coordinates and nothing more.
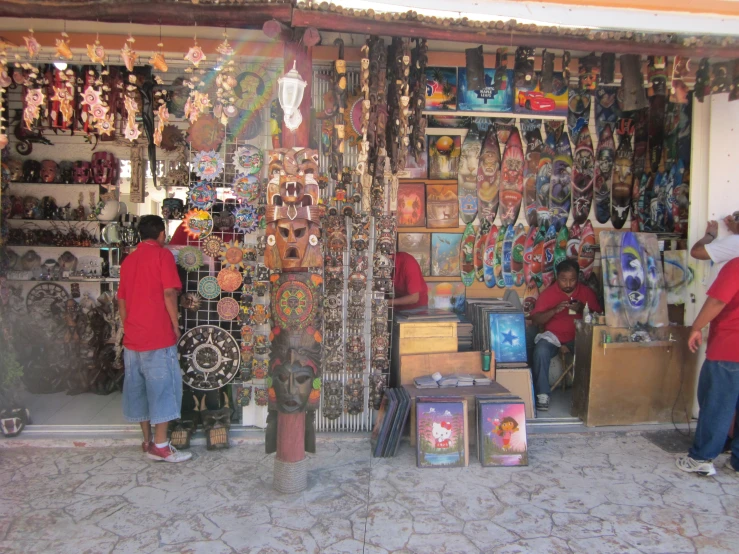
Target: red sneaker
(145, 446)
(167, 454)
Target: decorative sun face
(232, 255)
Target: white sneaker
(167, 454)
(542, 402)
(689, 465)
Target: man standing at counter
(410, 286)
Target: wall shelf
(508, 115)
(32, 246)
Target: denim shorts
(152, 387)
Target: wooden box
(423, 337)
(446, 363)
(519, 382)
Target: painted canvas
(443, 156)
(411, 205)
(486, 99)
(445, 254)
(448, 121)
(502, 430)
(442, 207)
(633, 282)
(508, 337)
(441, 428)
(441, 88)
(417, 245)
(531, 101)
(415, 168)
(447, 296)
(677, 275)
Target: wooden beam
(278, 31)
(329, 21)
(244, 15)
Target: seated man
(555, 313)
(410, 286)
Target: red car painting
(535, 101)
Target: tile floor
(583, 493)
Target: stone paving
(589, 493)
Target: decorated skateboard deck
(560, 187)
(679, 200)
(578, 112)
(560, 247)
(583, 176)
(633, 276)
(530, 296)
(622, 175)
(607, 111)
(507, 254)
(488, 258)
(657, 200)
(528, 253)
(573, 243)
(604, 175)
(467, 175)
(488, 176)
(534, 145)
(645, 200)
(467, 255)
(547, 273)
(543, 178)
(519, 240)
(586, 255)
(511, 182)
(657, 76)
(537, 257)
(641, 143)
(504, 126)
(498, 260)
(480, 240)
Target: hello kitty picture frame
(441, 431)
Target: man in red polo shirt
(718, 386)
(410, 286)
(556, 311)
(147, 300)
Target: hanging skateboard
(586, 255)
(560, 247)
(504, 126)
(641, 144)
(498, 260)
(607, 111)
(578, 112)
(560, 188)
(583, 176)
(528, 253)
(519, 240)
(547, 272)
(543, 179)
(672, 186)
(467, 255)
(534, 145)
(530, 296)
(511, 181)
(622, 175)
(680, 199)
(467, 175)
(488, 258)
(488, 176)
(634, 278)
(481, 238)
(537, 258)
(657, 93)
(573, 243)
(645, 201)
(604, 175)
(657, 200)
(507, 253)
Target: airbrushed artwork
(441, 428)
(502, 433)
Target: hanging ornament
(131, 131)
(248, 160)
(96, 52)
(232, 255)
(162, 120)
(189, 258)
(212, 246)
(225, 82)
(105, 126)
(208, 165)
(202, 194)
(62, 47)
(32, 45)
(91, 97)
(158, 61)
(246, 187)
(128, 54)
(246, 219)
(198, 224)
(195, 54)
(34, 100)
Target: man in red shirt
(147, 300)
(410, 286)
(556, 311)
(718, 386)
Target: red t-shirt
(723, 335)
(562, 325)
(145, 274)
(408, 279)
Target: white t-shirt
(721, 251)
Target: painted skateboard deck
(504, 127)
(511, 181)
(573, 243)
(622, 175)
(488, 258)
(547, 273)
(560, 188)
(507, 253)
(543, 178)
(641, 143)
(528, 253)
(679, 200)
(586, 255)
(578, 112)
(498, 260)
(583, 176)
(534, 146)
(530, 297)
(607, 111)
(467, 255)
(633, 269)
(488, 176)
(467, 175)
(480, 239)
(560, 247)
(554, 128)
(519, 241)
(604, 175)
(657, 204)
(672, 186)
(537, 257)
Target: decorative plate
(198, 224)
(201, 195)
(246, 187)
(190, 301)
(207, 133)
(208, 165)
(228, 308)
(171, 137)
(189, 258)
(212, 245)
(232, 255)
(45, 296)
(246, 219)
(248, 160)
(294, 301)
(229, 279)
(209, 288)
(246, 126)
(253, 88)
(209, 357)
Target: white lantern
(290, 93)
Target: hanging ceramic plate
(248, 160)
(209, 288)
(246, 219)
(207, 133)
(228, 308)
(208, 165)
(246, 187)
(201, 195)
(209, 357)
(171, 138)
(245, 126)
(251, 92)
(232, 255)
(189, 258)
(212, 246)
(198, 224)
(229, 279)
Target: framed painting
(531, 101)
(443, 156)
(416, 168)
(441, 431)
(417, 245)
(487, 99)
(501, 426)
(411, 205)
(508, 337)
(445, 254)
(441, 88)
(442, 207)
(447, 296)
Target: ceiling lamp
(290, 93)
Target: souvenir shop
(295, 149)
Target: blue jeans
(718, 398)
(543, 353)
(152, 386)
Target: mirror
(111, 233)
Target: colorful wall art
(447, 296)
(487, 99)
(441, 428)
(441, 88)
(416, 168)
(445, 254)
(633, 283)
(677, 275)
(502, 433)
(508, 337)
(417, 245)
(411, 205)
(531, 101)
(442, 207)
(443, 156)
